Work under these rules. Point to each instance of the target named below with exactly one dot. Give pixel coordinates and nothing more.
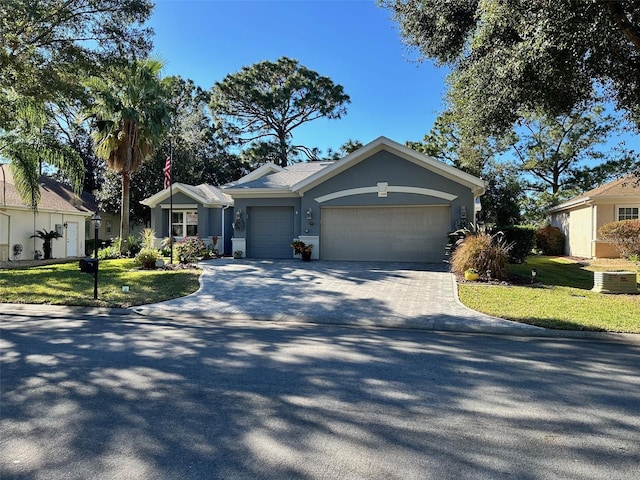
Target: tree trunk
(124, 210)
(282, 144)
(46, 248)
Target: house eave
(571, 204)
(154, 200)
(56, 211)
(260, 193)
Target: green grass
(64, 284)
(563, 301)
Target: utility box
(615, 282)
(89, 265)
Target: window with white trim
(184, 224)
(628, 212)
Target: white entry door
(72, 239)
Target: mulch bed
(514, 279)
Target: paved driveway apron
(408, 295)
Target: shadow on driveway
(410, 295)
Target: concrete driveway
(410, 295)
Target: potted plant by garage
(302, 249)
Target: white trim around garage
(389, 189)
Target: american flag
(167, 173)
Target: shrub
(165, 246)
(482, 252)
(148, 238)
(133, 246)
(190, 250)
(624, 235)
(147, 258)
(89, 246)
(110, 252)
(523, 241)
(550, 240)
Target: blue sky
(354, 42)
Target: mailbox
(89, 265)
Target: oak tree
(507, 56)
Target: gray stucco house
(202, 211)
(383, 202)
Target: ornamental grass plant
(483, 253)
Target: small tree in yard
(46, 237)
(624, 235)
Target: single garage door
(269, 232)
(394, 234)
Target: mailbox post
(96, 220)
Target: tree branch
(620, 17)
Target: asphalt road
(150, 398)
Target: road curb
(429, 324)
(435, 324)
(57, 310)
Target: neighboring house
(383, 202)
(59, 209)
(198, 211)
(582, 216)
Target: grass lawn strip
(564, 301)
(64, 284)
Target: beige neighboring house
(59, 209)
(582, 216)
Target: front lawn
(64, 284)
(564, 300)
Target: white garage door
(398, 234)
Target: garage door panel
(270, 232)
(412, 234)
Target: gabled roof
(476, 184)
(626, 188)
(280, 181)
(300, 177)
(207, 195)
(54, 196)
(266, 169)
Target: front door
(72, 239)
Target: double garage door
(398, 234)
(394, 234)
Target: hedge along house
(580, 217)
(202, 211)
(59, 210)
(383, 202)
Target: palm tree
(46, 239)
(131, 117)
(34, 140)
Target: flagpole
(171, 199)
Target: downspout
(594, 215)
